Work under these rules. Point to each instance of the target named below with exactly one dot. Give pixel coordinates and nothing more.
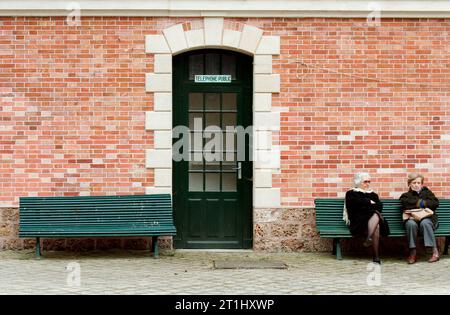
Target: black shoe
(377, 261)
(368, 242)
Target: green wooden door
(212, 189)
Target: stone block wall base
(287, 230)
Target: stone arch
(215, 33)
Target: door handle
(239, 170)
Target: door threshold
(212, 250)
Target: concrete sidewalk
(193, 272)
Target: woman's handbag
(417, 214)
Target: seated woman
(418, 197)
(362, 212)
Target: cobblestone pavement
(185, 272)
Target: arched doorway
(212, 188)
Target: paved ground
(181, 272)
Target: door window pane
(212, 182)
(196, 120)
(229, 120)
(229, 182)
(229, 101)
(195, 166)
(195, 65)
(195, 182)
(195, 101)
(212, 101)
(212, 119)
(212, 64)
(229, 65)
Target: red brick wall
(362, 98)
(355, 97)
(72, 107)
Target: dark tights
(374, 234)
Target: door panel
(230, 222)
(214, 212)
(195, 208)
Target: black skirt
(360, 226)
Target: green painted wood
(38, 247)
(329, 221)
(96, 216)
(155, 246)
(212, 219)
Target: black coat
(360, 210)
(412, 199)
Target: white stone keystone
(213, 31)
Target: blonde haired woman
(420, 197)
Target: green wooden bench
(330, 224)
(96, 216)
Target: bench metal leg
(38, 247)
(155, 246)
(447, 244)
(334, 247)
(338, 249)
